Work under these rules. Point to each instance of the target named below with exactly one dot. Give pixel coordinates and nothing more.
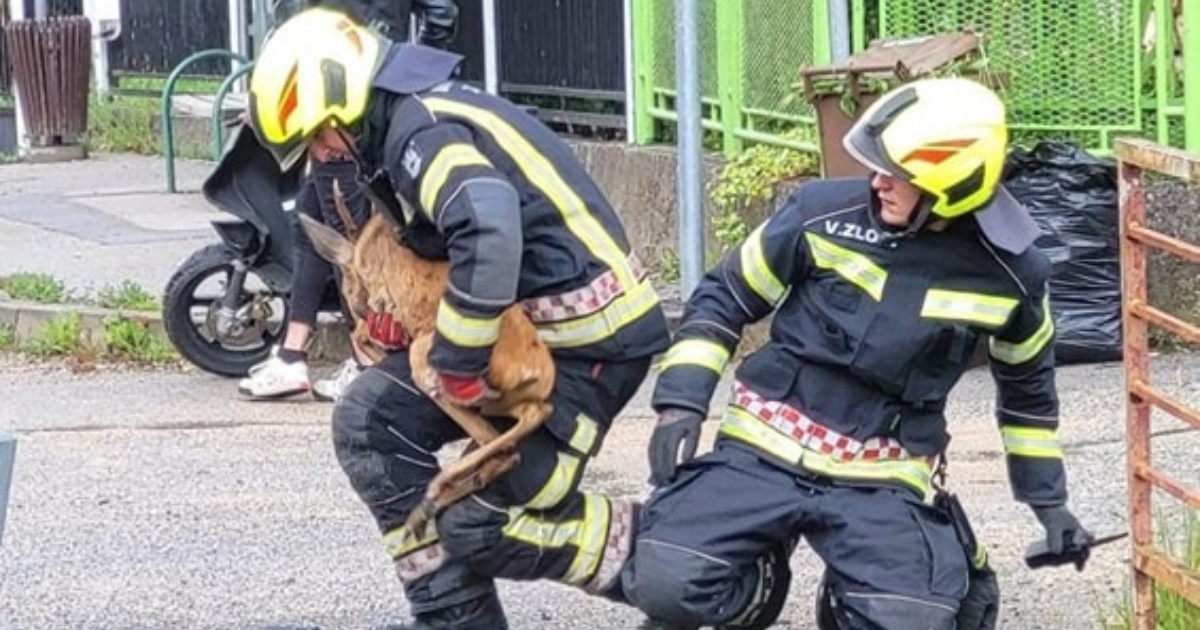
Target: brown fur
(380, 273)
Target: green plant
(59, 337)
(132, 340)
(668, 265)
(8, 338)
(1180, 540)
(128, 295)
(34, 287)
(123, 124)
(750, 177)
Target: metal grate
(751, 53)
(1072, 65)
(777, 42)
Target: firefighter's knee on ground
(843, 606)
(471, 532)
(677, 586)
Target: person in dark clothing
(880, 288)
(285, 372)
(470, 178)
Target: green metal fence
(1076, 69)
(751, 54)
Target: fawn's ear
(332, 246)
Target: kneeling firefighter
(472, 179)
(880, 287)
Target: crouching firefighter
(880, 288)
(470, 178)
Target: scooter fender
(242, 236)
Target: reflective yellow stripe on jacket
(464, 331)
(963, 306)
(756, 272)
(447, 159)
(1022, 351)
(852, 266)
(542, 174)
(914, 473)
(602, 324)
(699, 353)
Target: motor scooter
(226, 304)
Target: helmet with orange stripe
(946, 136)
(315, 69)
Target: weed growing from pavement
(59, 337)
(128, 296)
(8, 338)
(131, 340)
(34, 287)
(1179, 539)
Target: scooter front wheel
(214, 338)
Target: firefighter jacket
(871, 330)
(520, 221)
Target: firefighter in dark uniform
(285, 372)
(474, 179)
(880, 288)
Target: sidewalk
(103, 220)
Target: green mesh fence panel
(662, 35)
(1072, 65)
(777, 41)
(751, 53)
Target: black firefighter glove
(1066, 539)
(676, 427)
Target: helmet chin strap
(919, 219)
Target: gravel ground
(157, 499)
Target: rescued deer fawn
(381, 274)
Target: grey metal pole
(8, 454)
(491, 47)
(687, 105)
(839, 29)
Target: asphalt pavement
(158, 499)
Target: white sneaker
(274, 378)
(332, 388)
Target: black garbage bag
(1072, 195)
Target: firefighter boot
(484, 613)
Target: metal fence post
(687, 104)
(1191, 74)
(491, 47)
(8, 454)
(838, 28)
(642, 27)
(731, 48)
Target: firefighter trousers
(533, 522)
(895, 562)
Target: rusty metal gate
(51, 63)
(1136, 159)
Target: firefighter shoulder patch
(413, 160)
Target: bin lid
(899, 58)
